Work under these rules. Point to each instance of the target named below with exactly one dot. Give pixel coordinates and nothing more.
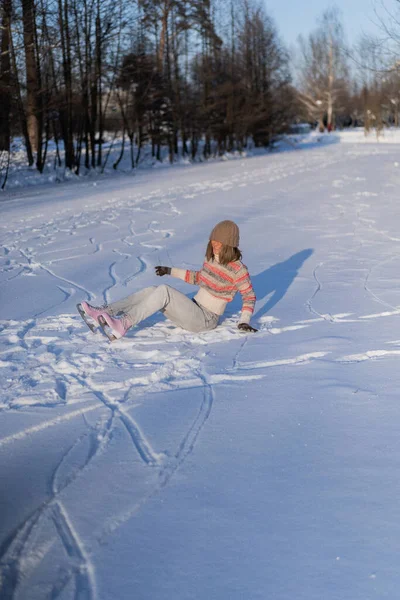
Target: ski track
(81, 568)
(317, 291)
(33, 264)
(142, 268)
(362, 226)
(164, 373)
(114, 280)
(17, 546)
(79, 560)
(78, 378)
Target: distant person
(220, 278)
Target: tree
(323, 68)
(190, 76)
(5, 76)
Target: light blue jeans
(180, 309)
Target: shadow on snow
(273, 283)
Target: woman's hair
(226, 255)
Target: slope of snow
(211, 466)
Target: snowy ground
(21, 176)
(217, 466)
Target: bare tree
(189, 76)
(32, 75)
(5, 76)
(323, 69)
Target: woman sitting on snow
(222, 275)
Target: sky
(293, 17)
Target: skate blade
(106, 330)
(92, 326)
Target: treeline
(193, 76)
(338, 86)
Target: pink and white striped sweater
(219, 284)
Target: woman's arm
(245, 287)
(185, 274)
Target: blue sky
(293, 17)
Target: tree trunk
(194, 145)
(132, 146)
(121, 154)
(139, 143)
(5, 77)
(21, 110)
(329, 108)
(41, 152)
(66, 115)
(32, 85)
(164, 33)
(98, 83)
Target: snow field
(219, 465)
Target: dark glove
(246, 327)
(160, 271)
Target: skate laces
(126, 322)
(102, 307)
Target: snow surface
(218, 466)
(21, 176)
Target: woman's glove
(246, 327)
(160, 271)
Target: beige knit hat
(226, 232)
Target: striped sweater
(219, 284)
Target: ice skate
(90, 314)
(118, 327)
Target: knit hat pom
(226, 232)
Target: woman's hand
(246, 327)
(160, 271)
